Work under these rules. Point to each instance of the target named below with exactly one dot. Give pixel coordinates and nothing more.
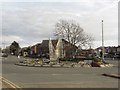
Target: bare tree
(73, 33)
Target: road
(43, 77)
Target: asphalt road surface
(43, 77)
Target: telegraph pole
(102, 42)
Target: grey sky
(30, 22)
(119, 23)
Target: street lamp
(102, 42)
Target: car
(117, 56)
(4, 55)
(46, 60)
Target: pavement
(41, 77)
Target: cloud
(32, 22)
(7, 40)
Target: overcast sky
(31, 22)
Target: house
(42, 49)
(23, 51)
(110, 51)
(86, 52)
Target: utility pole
(102, 42)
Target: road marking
(16, 87)
(64, 74)
(57, 74)
(76, 74)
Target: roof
(46, 42)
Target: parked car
(46, 60)
(4, 55)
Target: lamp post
(102, 42)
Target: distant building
(42, 49)
(110, 51)
(118, 49)
(86, 52)
(24, 51)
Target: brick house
(42, 49)
(110, 51)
